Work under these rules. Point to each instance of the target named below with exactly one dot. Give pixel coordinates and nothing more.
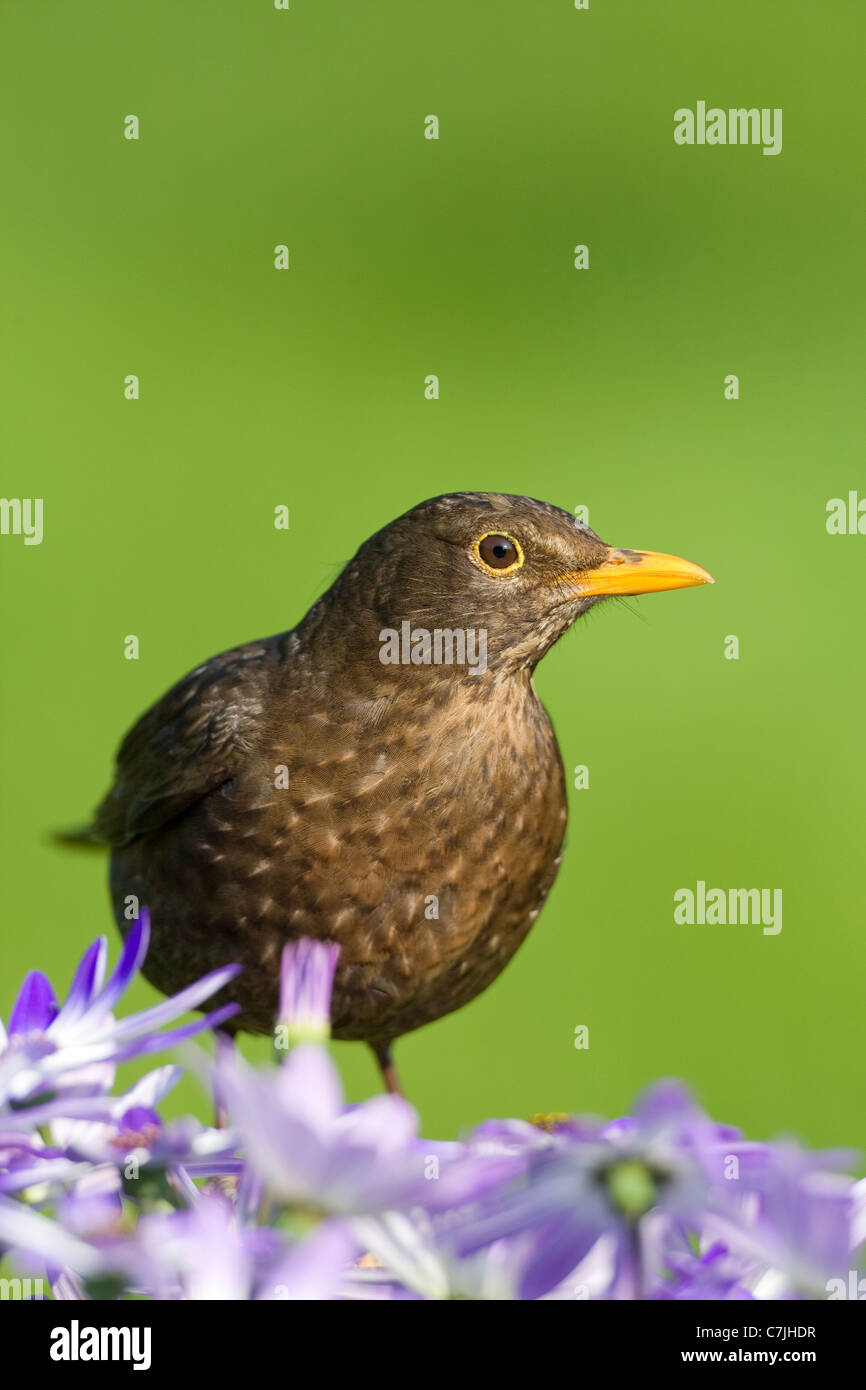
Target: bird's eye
(498, 552)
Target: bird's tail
(79, 837)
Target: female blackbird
(382, 776)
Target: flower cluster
(302, 1196)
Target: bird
(382, 776)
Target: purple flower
(715, 1276)
(35, 1240)
(664, 1204)
(416, 1259)
(302, 1142)
(207, 1252)
(74, 1047)
(134, 1137)
(309, 1149)
(204, 1252)
(314, 1267)
(797, 1218)
(858, 1214)
(642, 1182)
(306, 981)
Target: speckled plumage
(407, 784)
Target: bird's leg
(386, 1066)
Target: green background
(601, 388)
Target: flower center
(127, 1139)
(632, 1186)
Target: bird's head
(519, 570)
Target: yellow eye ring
(498, 570)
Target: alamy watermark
(712, 907)
(22, 516)
(25, 1290)
(444, 646)
(846, 516)
(735, 126)
(77, 1343)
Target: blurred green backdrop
(601, 388)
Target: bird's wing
(192, 741)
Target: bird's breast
(426, 846)
(424, 841)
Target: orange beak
(638, 572)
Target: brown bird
(382, 776)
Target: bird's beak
(638, 572)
